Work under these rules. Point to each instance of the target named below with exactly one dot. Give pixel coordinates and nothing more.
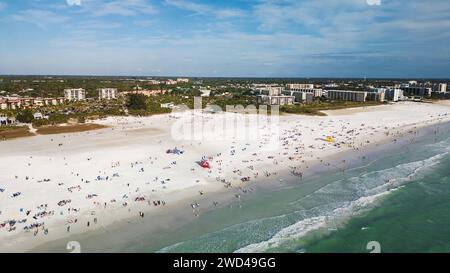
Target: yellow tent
(329, 139)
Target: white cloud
(144, 23)
(374, 2)
(73, 2)
(341, 38)
(205, 9)
(41, 18)
(274, 15)
(121, 7)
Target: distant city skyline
(235, 38)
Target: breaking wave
(324, 208)
(365, 190)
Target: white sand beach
(55, 185)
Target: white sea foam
(370, 187)
(323, 208)
(305, 226)
(168, 249)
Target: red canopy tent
(205, 164)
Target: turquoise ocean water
(400, 198)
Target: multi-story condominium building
(147, 93)
(14, 103)
(300, 97)
(418, 91)
(442, 88)
(75, 94)
(394, 94)
(182, 80)
(263, 85)
(53, 101)
(4, 120)
(347, 95)
(38, 102)
(377, 90)
(3, 104)
(316, 92)
(372, 96)
(292, 86)
(270, 90)
(169, 82)
(275, 100)
(107, 93)
(21, 102)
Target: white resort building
(107, 93)
(292, 86)
(345, 95)
(272, 96)
(75, 94)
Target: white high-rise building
(270, 90)
(347, 95)
(394, 94)
(182, 80)
(315, 92)
(75, 94)
(107, 93)
(291, 86)
(442, 88)
(417, 91)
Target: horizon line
(224, 77)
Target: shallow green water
(414, 219)
(400, 199)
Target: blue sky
(255, 38)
